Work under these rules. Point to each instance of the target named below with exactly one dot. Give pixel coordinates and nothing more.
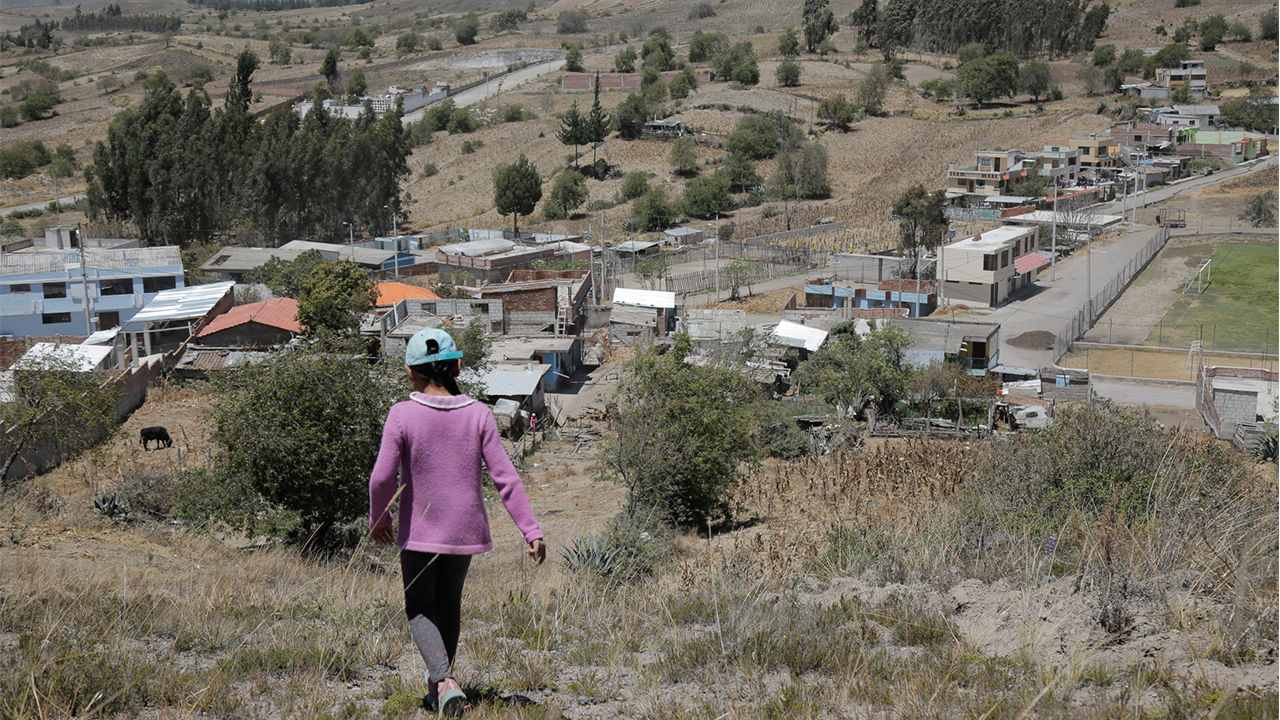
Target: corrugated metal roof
(186, 303)
(280, 312)
(55, 261)
(682, 231)
(361, 255)
(237, 259)
(477, 248)
(83, 357)
(634, 246)
(797, 335)
(390, 293)
(644, 298)
(510, 381)
(102, 337)
(1028, 262)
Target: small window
(52, 291)
(156, 284)
(55, 318)
(1084, 151)
(116, 287)
(988, 262)
(1004, 259)
(19, 288)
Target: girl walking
(437, 443)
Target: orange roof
(280, 312)
(390, 293)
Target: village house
(541, 301)
(917, 297)
(1097, 152)
(637, 312)
(492, 260)
(1237, 147)
(44, 292)
(984, 269)
(994, 172)
(260, 324)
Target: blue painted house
(43, 292)
(911, 294)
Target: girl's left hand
(384, 535)
(537, 550)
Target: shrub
(788, 73)
(701, 10)
(567, 194)
(8, 116)
(37, 106)
(683, 84)
(470, 146)
(635, 185)
(654, 211)
(22, 159)
(785, 440)
(571, 22)
(430, 170)
(704, 197)
(513, 112)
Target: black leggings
(433, 602)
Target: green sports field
(1238, 310)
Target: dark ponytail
(440, 373)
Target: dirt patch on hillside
(502, 58)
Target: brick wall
(534, 299)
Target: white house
(43, 292)
(985, 268)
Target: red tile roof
(1031, 261)
(280, 312)
(390, 293)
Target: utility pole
(1088, 269)
(84, 285)
(351, 239)
(717, 257)
(395, 236)
(590, 236)
(1053, 257)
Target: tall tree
(596, 127)
(334, 297)
(852, 370)
(573, 130)
(864, 19)
(329, 67)
(922, 221)
(517, 188)
(819, 23)
(989, 77)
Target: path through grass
(1236, 312)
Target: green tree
(873, 88)
(1260, 209)
(788, 73)
(357, 85)
(759, 137)
(300, 433)
(1169, 56)
(635, 185)
(683, 157)
(571, 22)
(682, 437)
(1269, 24)
(9, 116)
(329, 67)
(466, 29)
(1131, 61)
(818, 22)
(625, 60)
(740, 172)
(1104, 55)
(789, 43)
(1255, 113)
(970, 52)
(739, 273)
(705, 197)
(1212, 31)
(650, 272)
(334, 296)
(853, 371)
(895, 27)
(922, 221)
(703, 46)
(838, 112)
(52, 404)
(864, 20)
(989, 77)
(630, 116)
(516, 190)
(279, 51)
(1034, 79)
(38, 105)
(800, 174)
(654, 210)
(1034, 185)
(285, 278)
(595, 128)
(683, 84)
(573, 57)
(567, 194)
(573, 130)
(657, 52)
(408, 43)
(508, 20)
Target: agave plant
(631, 225)
(112, 508)
(590, 555)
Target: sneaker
(452, 700)
(430, 703)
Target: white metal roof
(513, 380)
(1064, 218)
(797, 335)
(102, 337)
(362, 255)
(477, 248)
(682, 231)
(186, 303)
(84, 357)
(644, 298)
(634, 246)
(56, 261)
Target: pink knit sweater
(435, 445)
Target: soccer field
(1237, 312)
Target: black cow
(157, 433)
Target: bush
(23, 159)
(635, 185)
(785, 440)
(654, 211)
(513, 112)
(471, 146)
(8, 116)
(683, 84)
(430, 170)
(788, 74)
(701, 10)
(704, 197)
(461, 120)
(37, 106)
(567, 194)
(571, 22)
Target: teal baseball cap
(429, 345)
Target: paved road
(493, 87)
(1164, 192)
(62, 200)
(1140, 393)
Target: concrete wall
(968, 294)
